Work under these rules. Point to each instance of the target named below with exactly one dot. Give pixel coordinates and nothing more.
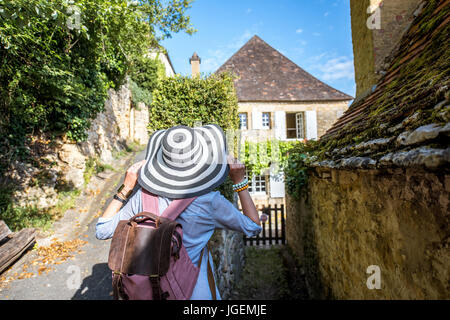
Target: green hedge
(182, 100)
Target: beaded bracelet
(240, 184)
(242, 188)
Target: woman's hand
(129, 183)
(237, 169)
(131, 176)
(237, 174)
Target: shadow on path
(97, 286)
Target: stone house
(163, 56)
(278, 99)
(377, 200)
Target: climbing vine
(259, 157)
(297, 166)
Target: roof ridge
(298, 82)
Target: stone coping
(430, 158)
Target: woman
(184, 162)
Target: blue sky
(316, 35)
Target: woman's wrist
(240, 186)
(124, 191)
(240, 182)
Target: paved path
(88, 268)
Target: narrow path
(88, 267)
(270, 273)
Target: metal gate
(273, 228)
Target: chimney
(195, 65)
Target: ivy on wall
(259, 157)
(297, 166)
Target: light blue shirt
(199, 220)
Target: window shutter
(280, 125)
(256, 120)
(311, 125)
(276, 183)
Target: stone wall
(397, 219)
(118, 124)
(375, 40)
(228, 254)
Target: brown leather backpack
(148, 259)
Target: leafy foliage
(298, 160)
(59, 58)
(183, 100)
(260, 156)
(187, 101)
(145, 75)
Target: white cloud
(249, 10)
(326, 14)
(337, 68)
(299, 31)
(316, 34)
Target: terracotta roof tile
(264, 74)
(416, 44)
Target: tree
(59, 58)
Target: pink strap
(175, 208)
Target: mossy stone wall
(396, 219)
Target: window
(243, 121)
(266, 120)
(295, 125)
(257, 184)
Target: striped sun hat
(184, 162)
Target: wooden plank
(14, 247)
(276, 223)
(264, 231)
(4, 230)
(270, 226)
(283, 225)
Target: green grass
(26, 217)
(94, 166)
(264, 276)
(17, 217)
(130, 147)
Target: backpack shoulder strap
(211, 281)
(149, 202)
(175, 208)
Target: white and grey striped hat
(184, 162)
